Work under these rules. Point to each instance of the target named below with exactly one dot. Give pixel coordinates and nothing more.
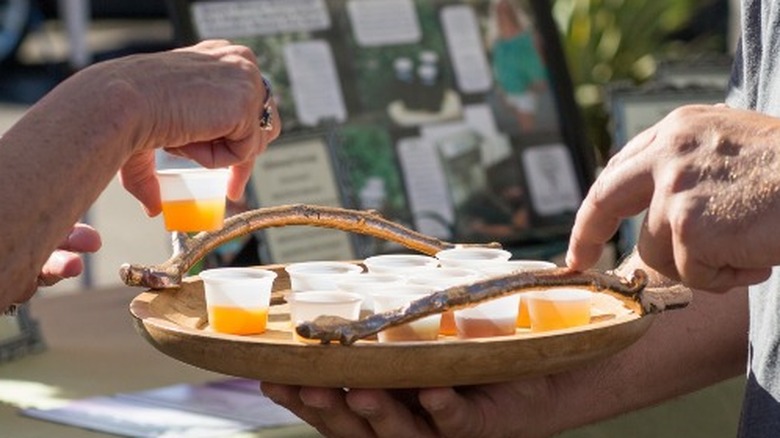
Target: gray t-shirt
(755, 84)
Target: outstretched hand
(709, 177)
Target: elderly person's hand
(212, 117)
(709, 177)
(65, 261)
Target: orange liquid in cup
(447, 324)
(555, 315)
(193, 215)
(484, 327)
(523, 317)
(238, 320)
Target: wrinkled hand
(202, 102)
(709, 177)
(65, 261)
(496, 410)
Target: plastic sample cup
(443, 278)
(514, 266)
(307, 306)
(402, 264)
(472, 257)
(366, 283)
(237, 299)
(556, 309)
(319, 275)
(496, 317)
(193, 199)
(423, 329)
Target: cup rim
(300, 267)
(498, 253)
(560, 294)
(224, 274)
(372, 277)
(411, 290)
(451, 270)
(394, 258)
(321, 297)
(538, 264)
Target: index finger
(621, 191)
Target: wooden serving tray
(175, 322)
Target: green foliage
(605, 41)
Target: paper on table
(214, 409)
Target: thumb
(137, 177)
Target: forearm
(53, 164)
(684, 350)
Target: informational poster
(384, 22)
(439, 115)
(465, 46)
(300, 173)
(314, 82)
(551, 179)
(230, 19)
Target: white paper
(466, 48)
(552, 180)
(315, 82)
(211, 410)
(384, 22)
(231, 19)
(294, 173)
(428, 194)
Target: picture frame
(633, 109)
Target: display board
(454, 117)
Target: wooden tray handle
(169, 274)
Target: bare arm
(202, 102)
(683, 351)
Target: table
(92, 349)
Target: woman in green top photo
(518, 68)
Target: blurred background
(610, 45)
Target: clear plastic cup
(193, 199)
(513, 266)
(401, 264)
(237, 299)
(319, 275)
(423, 329)
(472, 257)
(366, 283)
(443, 278)
(307, 306)
(497, 317)
(556, 309)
